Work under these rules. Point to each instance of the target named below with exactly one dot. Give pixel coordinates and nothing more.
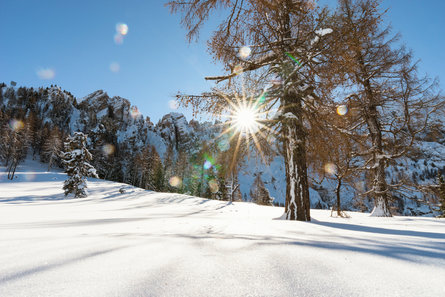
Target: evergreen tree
(169, 169)
(182, 170)
(157, 173)
(77, 160)
(441, 194)
(258, 192)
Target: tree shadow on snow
(379, 230)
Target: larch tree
(390, 104)
(76, 159)
(279, 43)
(331, 151)
(169, 169)
(231, 161)
(258, 192)
(15, 139)
(52, 147)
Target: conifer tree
(232, 161)
(285, 39)
(441, 194)
(52, 147)
(76, 159)
(182, 171)
(389, 102)
(157, 173)
(15, 145)
(169, 168)
(258, 192)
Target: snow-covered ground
(143, 243)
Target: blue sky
(75, 39)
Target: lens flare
(330, 168)
(118, 39)
(207, 164)
(293, 58)
(238, 69)
(134, 112)
(16, 125)
(342, 110)
(262, 98)
(46, 73)
(122, 28)
(175, 182)
(108, 149)
(244, 52)
(173, 104)
(29, 176)
(213, 185)
(115, 67)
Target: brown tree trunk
(381, 208)
(338, 197)
(380, 187)
(297, 205)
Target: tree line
(27, 130)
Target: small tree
(259, 193)
(14, 147)
(52, 147)
(441, 194)
(76, 159)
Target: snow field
(144, 243)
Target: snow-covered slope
(143, 243)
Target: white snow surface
(143, 243)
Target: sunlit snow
(142, 243)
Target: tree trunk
(297, 205)
(12, 168)
(338, 196)
(381, 208)
(380, 187)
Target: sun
(246, 119)
(247, 122)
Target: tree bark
(380, 187)
(338, 196)
(297, 205)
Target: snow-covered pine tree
(258, 192)
(76, 159)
